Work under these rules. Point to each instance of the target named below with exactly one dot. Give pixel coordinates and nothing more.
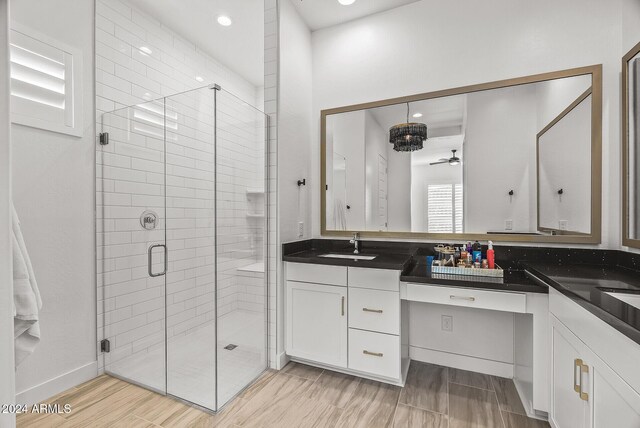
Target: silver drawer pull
(471, 299)
(377, 311)
(374, 354)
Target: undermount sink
(628, 298)
(349, 256)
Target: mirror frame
(626, 240)
(596, 162)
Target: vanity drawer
(319, 274)
(378, 279)
(374, 310)
(374, 353)
(469, 297)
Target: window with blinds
(444, 208)
(45, 82)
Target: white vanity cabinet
(317, 322)
(586, 390)
(347, 319)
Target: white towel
(26, 298)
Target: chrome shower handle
(166, 260)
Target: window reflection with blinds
(444, 208)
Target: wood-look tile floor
(304, 396)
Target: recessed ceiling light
(346, 2)
(146, 50)
(199, 79)
(417, 115)
(224, 20)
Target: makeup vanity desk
(353, 316)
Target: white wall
(348, 140)
(293, 108)
(7, 373)
(399, 202)
(564, 160)
(294, 116)
(477, 333)
(53, 176)
(375, 141)
(358, 61)
(501, 125)
(553, 96)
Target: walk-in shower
(182, 245)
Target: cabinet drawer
(374, 353)
(319, 274)
(469, 297)
(374, 310)
(379, 279)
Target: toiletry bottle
(491, 256)
(477, 252)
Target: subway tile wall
(271, 76)
(131, 174)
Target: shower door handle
(166, 260)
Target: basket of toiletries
(496, 272)
(465, 260)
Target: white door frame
(7, 370)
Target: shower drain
(230, 347)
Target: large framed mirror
(631, 148)
(513, 160)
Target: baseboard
(464, 362)
(39, 393)
(351, 372)
(526, 400)
(281, 360)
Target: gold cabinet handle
(471, 299)
(577, 363)
(342, 305)
(584, 369)
(374, 354)
(377, 311)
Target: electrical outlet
(508, 224)
(300, 229)
(563, 224)
(447, 323)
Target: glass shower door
(241, 235)
(191, 309)
(182, 245)
(131, 250)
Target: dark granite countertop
(408, 258)
(587, 285)
(514, 280)
(384, 259)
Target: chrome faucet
(356, 242)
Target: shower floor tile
(191, 361)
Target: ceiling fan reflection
(453, 160)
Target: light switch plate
(563, 224)
(300, 229)
(508, 224)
